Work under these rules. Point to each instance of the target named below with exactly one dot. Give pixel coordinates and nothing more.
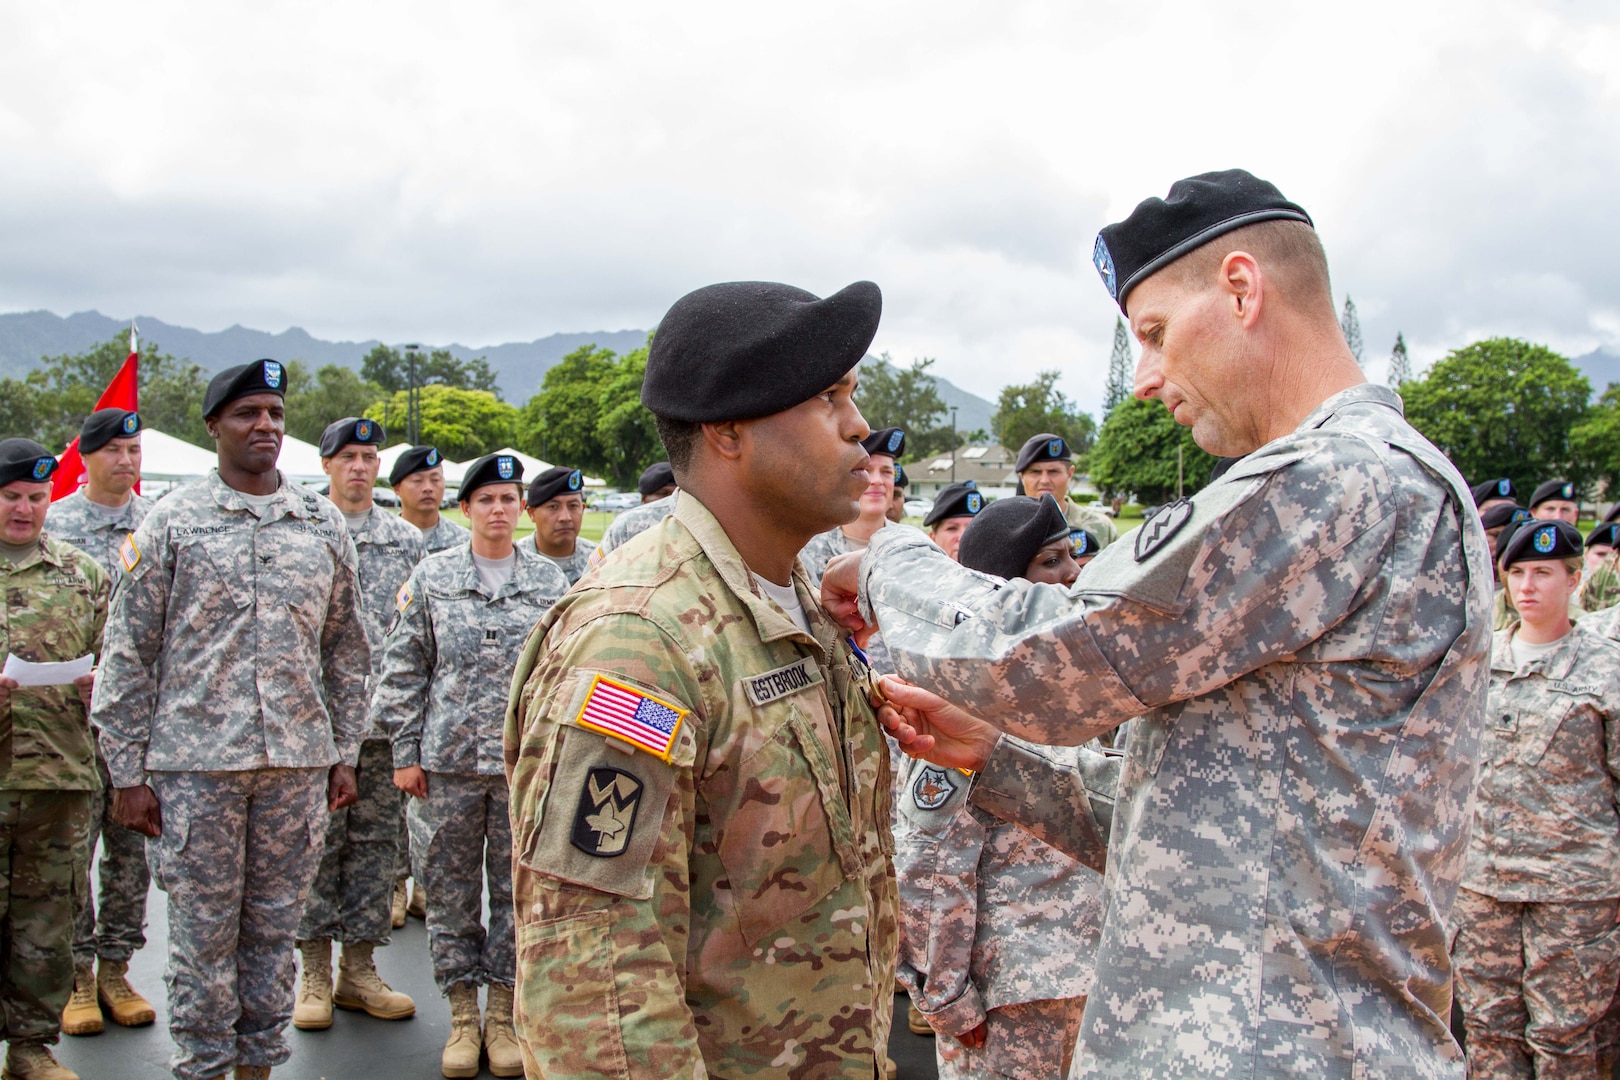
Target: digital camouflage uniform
(53, 607)
(124, 878)
(575, 565)
(234, 678)
(441, 695)
(1304, 647)
(727, 909)
(1536, 948)
(445, 534)
(991, 917)
(1601, 589)
(632, 522)
(823, 549)
(1092, 519)
(351, 900)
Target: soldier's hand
(136, 809)
(839, 583)
(85, 685)
(929, 727)
(412, 780)
(975, 1038)
(342, 789)
(6, 687)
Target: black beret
(1503, 514)
(416, 459)
(1085, 543)
(1607, 534)
(1542, 540)
(24, 459)
(491, 469)
(890, 441)
(1613, 514)
(1548, 490)
(1010, 532)
(1043, 447)
(351, 429)
(745, 349)
(555, 481)
(900, 477)
(1501, 488)
(958, 500)
(655, 477)
(259, 377)
(1199, 209)
(104, 425)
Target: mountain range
(27, 336)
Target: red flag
(122, 393)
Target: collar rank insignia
(933, 788)
(607, 812)
(1157, 530)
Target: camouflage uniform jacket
(1091, 519)
(388, 548)
(1545, 823)
(989, 915)
(1601, 588)
(53, 607)
(235, 641)
(632, 522)
(1304, 646)
(1604, 624)
(447, 663)
(739, 918)
(445, 534)
(76, 520)
(575, 565)
(822, 549)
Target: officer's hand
(411, 780)
(342, 789)
(136, 809)
(6, 687)
(85, 685)
(975, 1038)
(838, 586)
(929, 727)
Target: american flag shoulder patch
(128, 553)
(402, 599)
(634, 716)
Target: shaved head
(1288, 252)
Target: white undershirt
(785, 597)
(1526, 651)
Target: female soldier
(1536, 949)
(447, 664)
(998, 930)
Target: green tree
(626, 436)
(65, 388)
(891, 396)
(1400, 365)
(1028, 410)
(1121, 369)
(1136, 453)
(1350, 323)
(330, 394)
(390, 369)
(20, 411)
(463, 424)
(1595, 440)
(560, 422)
(1503, 407)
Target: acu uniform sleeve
(345, 654)
(126, 688)
(1062, 796)
(602, 835)
(399, 704)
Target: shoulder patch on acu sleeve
(932, 788)
(403, 599)
(129, 554)
(1158, 530)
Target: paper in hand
(28, 673)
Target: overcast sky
(483, 172)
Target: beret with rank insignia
(24, 459)
(104, 425)
(259, 377)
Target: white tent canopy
(300, 460)
(164, 457)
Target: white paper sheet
(28, 673)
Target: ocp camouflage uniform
(575, 565)
(1536, 947)
(233, 679)
(441, 695)
(727, 909)
(1605, 623)
(1092, 519)
(445, 534)
(632, 522)
(53, 607)
(1304, 646)
(124, 878)
(990, 919)
(1601, 588)
(351, 898)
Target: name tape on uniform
(778, 684)
(631, 716)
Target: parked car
(624, 500)
(918, 507)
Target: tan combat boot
(500, 1040)
(918, 1023)
(128, 1008)
(418, 906)
(34, 1061)
(82, 1015)
(252, 1072)
(313, 1009)
(402, 899)
(460, 1056)
(360, 988)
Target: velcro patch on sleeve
(631, 715)
(782, 682)
(403, 599)
(129, 554)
